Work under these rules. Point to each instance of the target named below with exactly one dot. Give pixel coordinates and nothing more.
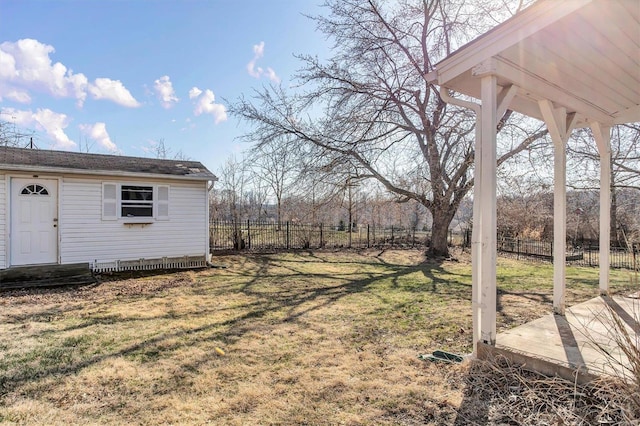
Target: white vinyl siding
(3, 222)
(86, 237)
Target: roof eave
(118, 173)
(512, 31)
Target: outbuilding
(109, 211)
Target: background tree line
(244, 192)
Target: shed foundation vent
(182, 262)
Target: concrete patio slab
(580, 345)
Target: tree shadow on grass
(273, 291)
(292, 301)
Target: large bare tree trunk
(438, 244)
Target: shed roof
(583, 55)
(76, 162)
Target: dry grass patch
(308, 338)
(499, 393)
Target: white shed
(112, 212)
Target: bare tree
(85, 144)
(232, 184)
(525, 203)
(371, 105)
(230, 199)
(160, 150)
(12, 135)
(274, 163)
(316, 197)
(256, 197)
(525, 206)
(625, 169)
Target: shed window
(34, 189)
(136, 201)
(139, 203)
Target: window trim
(112, 206)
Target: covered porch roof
(583, 55)
(570, 63)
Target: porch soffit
(583, 55)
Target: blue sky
(119, 75)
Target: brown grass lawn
(308, 338)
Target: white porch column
(560, 125)
(488, 210)
(602, 135)
(476, 236)
(483, 283)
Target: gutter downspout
(209, 185)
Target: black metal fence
(262, 236)
(588, 255)
(271, 236)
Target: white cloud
(33, 66)
(113, 90)
(25, 66)
(7, 65)
(257, 72)
(98, 132)
(271, 75)
(18, 96)
(52, 123)
(205, 104)
(258, 52)
(258, 49)
(79, 84)
(194, 93)
(164, 91)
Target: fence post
(237, 238)
(248, 236)
(212, 231)
(368, 236)
(287, 235)
(321, 243)
(518, 249)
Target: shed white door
(34, 221)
